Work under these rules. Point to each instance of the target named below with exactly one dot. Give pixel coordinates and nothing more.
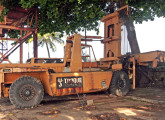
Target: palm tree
(49, 40)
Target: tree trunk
(130, 31)
(132, 36)
(48, 49)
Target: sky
(150, 36)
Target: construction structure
(76, 73)
(22, 22)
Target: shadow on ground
(140, 104)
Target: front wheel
(120, 83)
(26, 92)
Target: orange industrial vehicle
(25, 84)
(78, 72)
(148, 68)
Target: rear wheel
(120, 83)
(26, 92)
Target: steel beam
(17, 28)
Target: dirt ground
(140, 104)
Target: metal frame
(15, 20)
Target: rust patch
(67, 91)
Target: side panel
(91, 82)
(9, 78)
(101, 80)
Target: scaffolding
(20, 21)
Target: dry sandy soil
(140, 104)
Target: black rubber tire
(32, 90)
(120, 83)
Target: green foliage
(71, 16)
(4, 12)
(144, 10)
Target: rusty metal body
(153, 58)
(54, 71)
(76, 72)
(147, 68)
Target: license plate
(69, 82)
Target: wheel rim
(27, 92)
